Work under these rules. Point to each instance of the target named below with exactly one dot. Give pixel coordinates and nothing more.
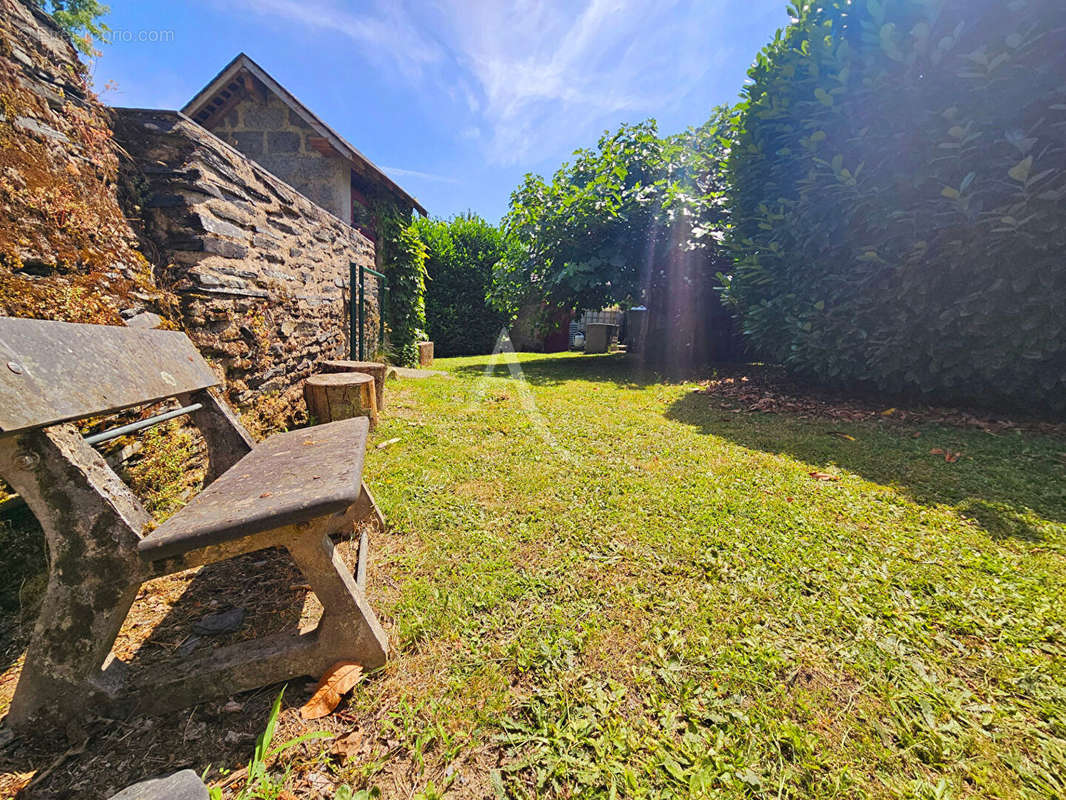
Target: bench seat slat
(52, 372)
(289, 478)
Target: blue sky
(456, 99)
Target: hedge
(897, 188)
(461, 255)
(404, 261)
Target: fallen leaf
(347, 747)
(285, 794)
(888, 412)
(936, 451)
(824, 476)
(387, 442)
(265, 494)
(841, 435)
(337, 682)
(951, 458)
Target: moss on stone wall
(66, 250)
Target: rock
(222, 622)
(34, 126)
(145, 320)
(184, 785)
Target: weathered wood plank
(52, 372)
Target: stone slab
(184, 785)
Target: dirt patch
(104, 755)
(754, 388)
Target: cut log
(341, 395)
(373, 368)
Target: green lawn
(645, 594)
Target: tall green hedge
(898, 189)
(461, 255)
(404, 261)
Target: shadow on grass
(1011, 484)
(624, 370)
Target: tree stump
(341, 395)
(373, 368)
(425, 354)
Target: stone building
(255, 213)
(237, 227)
(245, 107)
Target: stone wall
(260, 272)
(66, 250)
(277, 138)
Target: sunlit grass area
(658, 600)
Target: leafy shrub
(461, 255)
(897, 193)
(404, 258)
(636, 220)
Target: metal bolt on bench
(293, 491)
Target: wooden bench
(292, 491)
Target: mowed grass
(656, 599)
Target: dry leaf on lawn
(841, 435)
(824, 476)
(936, 451)
(337, 682)
(347, 747)
(951, 458)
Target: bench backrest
(52, 372)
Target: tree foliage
(462, 253)
(610, 225)
(80, 19)
(897, 190)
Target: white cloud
(552, 73)
(527, 79)
(400, 172)
(383, 30)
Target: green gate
(357, 312)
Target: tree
(636, 220)
(462, 253)
(80, 19)
(578, 240)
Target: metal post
(353, 312)
(362, 313)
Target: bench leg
(368, 507)
(91, 523)
(348, 630)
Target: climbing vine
(404, 262)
